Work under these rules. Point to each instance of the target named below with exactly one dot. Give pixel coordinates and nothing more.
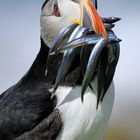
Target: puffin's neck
(37, 70)
(38, 67)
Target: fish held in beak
(68, 57)
(62, 37)
(93, 60)
(87, 41)
(111, 19)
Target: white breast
(81, 121)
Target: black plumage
(27, 103)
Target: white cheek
(51, 25)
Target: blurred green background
(19, 44)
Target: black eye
(56, 10)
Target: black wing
(23, 109)
(25, 105)
(48, 129)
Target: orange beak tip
(96, 21)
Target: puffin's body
(81, 121)
(29, 112)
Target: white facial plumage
(51, 24)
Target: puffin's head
(55, 15)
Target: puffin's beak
(91, 19)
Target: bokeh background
(19, 44)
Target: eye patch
(56, 10)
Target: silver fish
(92, 62)
(112, 37)
(68, 57)
(79, 42)
(92, 65)
(110, 19)
(62, 36)
(59, 40)
(113, 60)
(109, 26)
(86, 41)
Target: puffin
(40, 108)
